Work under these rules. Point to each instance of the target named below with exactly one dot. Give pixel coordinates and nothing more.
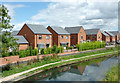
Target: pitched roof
(105, 34)
(114, 32)
(21, 39)
(14, 33)
(59, 30)
(38, 29)
(91, 31)
(110, 33)
(73, 30)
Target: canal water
(86, 71)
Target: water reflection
(86, 71)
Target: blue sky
(87, 14)
(29, 9)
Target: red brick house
(116, 33)
(105, 37)
(23, 43)
(93, 35)
(36, 35)
(113, 37)
(77, 34)
(60, 37)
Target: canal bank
(93, 70)
(69, 61)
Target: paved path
(18, 74)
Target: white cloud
(12, 8)
(91, 15)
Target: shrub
(90, 45)
(61, 49)
(54, 49)
(27, 52)
(32, 52)
(47, 58)
(71, 47)
(22, 53)
(48, 51)
(6, 67)
(67, 47)
(36, 51)
(43, 51)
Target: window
(72, 37)
(66, 37)
(40, 37)
(61, 37)
(93, 36)
(25, 36)
(99, 36)
(81, 36)
(47, 37)
(41, 46)
(88, 37)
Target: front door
(47, 45)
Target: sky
(103, 15)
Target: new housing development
(36, 35)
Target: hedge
(90, 45)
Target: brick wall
(99, 34)
(30, 37)
(64, 39)
(23, 46)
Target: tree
(8, 41)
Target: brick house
(116, 33)
(112, 36)
(93, 35)
(105, 37)
(23, 43)
(60, 37)
(77, 34)
(36, 35)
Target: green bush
(43, 51)
(22, 53)
(33, 52)
(27, 52)
(36, 51)
(47, 58)
(54, 49)
(61, 49)
(90, 45)
(48, 51)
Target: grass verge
(112, 74)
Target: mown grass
(25, 66)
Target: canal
(94, 70)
